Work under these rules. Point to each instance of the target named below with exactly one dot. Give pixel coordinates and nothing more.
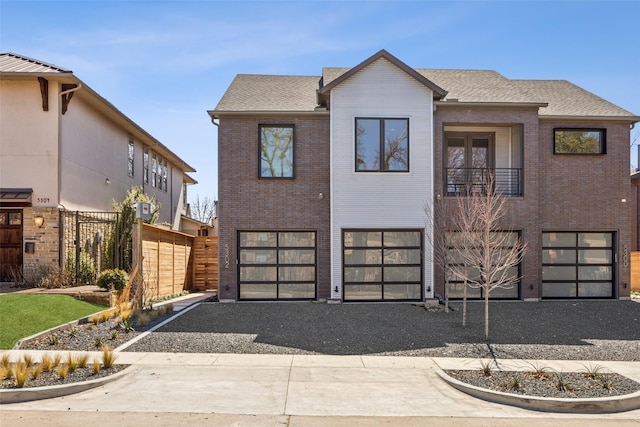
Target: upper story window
(382, 145)
(579, 141)
(154, 170)
(145, 170)
(276, 151)
(164, 175)
(130, 157)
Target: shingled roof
(297, 94)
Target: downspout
(64, 92)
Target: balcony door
(469, 158)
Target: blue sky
(164, 63)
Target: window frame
(292, 148)
(145, 165)
(381, 145)
(131, 158)
(603, 140)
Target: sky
(165, 63)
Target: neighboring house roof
(297, 94)
(14, 65)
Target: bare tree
(204, 209)
(488, 251)
(635, 141)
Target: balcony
(463, 181)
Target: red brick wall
(586, 192)
(249, 203)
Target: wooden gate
(205, 263)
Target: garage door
(277, 265)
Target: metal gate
(95, 241)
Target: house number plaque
(226, 256)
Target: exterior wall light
(107, 181)
(39, 221)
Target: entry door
(469, 158)
(10, 244)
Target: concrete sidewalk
(296, 390)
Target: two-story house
(324, 181)
(65, 147)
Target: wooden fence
(174, 261)
(635, 271)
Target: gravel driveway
(570, 330)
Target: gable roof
(19, 66)
(14, 63)
(438, 92)
(255, 94)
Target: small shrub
(108, 358)
(168, 308)
(87, 269)
(540, 372)
(143, 319)
(113, 278)
(105, 316)
(606, 381)
(72, 362)
(593, 372)
(73, 332)
(83, 360)
(515, 383)
(561, 383)
(63, 371)
(53, 340)
(27, 359)
(21, 374)
(35, 372)
(7, 372)
(56, 278)
(98, 342)
(97, 367)
(114, 335)
(486, 368)
(5, 361)
(126, 326)
(46, 363)
(57, 359)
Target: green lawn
(22, 315)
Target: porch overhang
(15, 197)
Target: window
(276, 151)
(154, 170)
(164, 175)
(577, 265)
(145, 162)
(277, 264)
(579, 141)
(382, 265)
(130, 158)
(382, 145)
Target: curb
(596, 405)
(27, 394)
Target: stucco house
(65, 147)
(324, 180)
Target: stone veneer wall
(46, 240)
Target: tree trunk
(486, 313)
(464, 302)
(446, 295)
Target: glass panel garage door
(577, 265)
(277, 265)
(382, 265)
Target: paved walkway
(294, 390)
